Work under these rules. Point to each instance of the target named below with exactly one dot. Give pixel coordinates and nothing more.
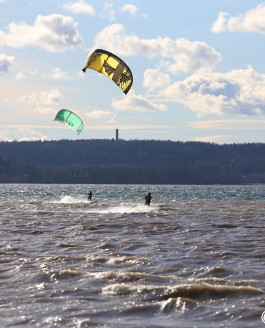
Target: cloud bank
(251, 21)
(54, 33)
(179, 55)
(235, 92)
(204, 91)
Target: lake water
(194, 258)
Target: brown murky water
(194, 258)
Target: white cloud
(137, 103)
(5, 135)
(42, 102)
(98, 114)
(23, 75)
(251, 21)
(154, 79)
(58, 74)
(5, 63)
(235, 92)
(54, 74)
(181, 54)
(108, 12)
(80, 7)
(130, 9)
(54, 33)
(20, 76)
(31, 134)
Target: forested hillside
(134, 161)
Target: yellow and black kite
(112, 66)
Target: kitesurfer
(89, 196)
(148, 198)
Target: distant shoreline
(131, 162)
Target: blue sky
(198, 68)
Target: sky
(198, 69)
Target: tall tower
(117, 134)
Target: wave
(71, 200)
(121, 209)
(105, 207)
(191, 291)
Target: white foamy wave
(71, 200)
(121, 209)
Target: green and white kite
(70, 118)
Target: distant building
(117, 134)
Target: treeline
(132, 162)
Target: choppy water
(195, 258)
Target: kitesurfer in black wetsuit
(148, 198)
(89, 196)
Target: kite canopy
(67, 116)
(112, 66)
